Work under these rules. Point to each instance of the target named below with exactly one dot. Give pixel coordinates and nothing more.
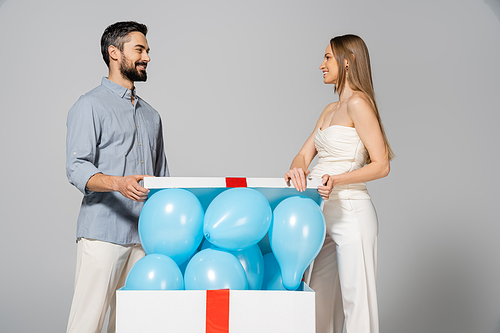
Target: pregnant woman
(352, 148)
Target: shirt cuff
(81, 176)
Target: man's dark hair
(117, 35)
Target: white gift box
(248, 311)
(220, 311)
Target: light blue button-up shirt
(107, 134)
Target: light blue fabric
(107, 134)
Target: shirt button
(137, 125)
(74, 153)
(142, 162)
(140, 144)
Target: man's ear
(113, 52)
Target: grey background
(239, 90)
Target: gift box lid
(207, 188)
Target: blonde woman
(350, 142)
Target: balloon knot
(207, 235)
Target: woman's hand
(298, 177)
(327, 188)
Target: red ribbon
(217, 311)
(236, 182)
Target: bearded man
(114, 139)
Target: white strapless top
(340, 150)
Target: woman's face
(330, 67)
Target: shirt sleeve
(83, 128)
(161, 167)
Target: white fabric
(101, 269)
(344, 272)
(340, 150)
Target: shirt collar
(118, 89)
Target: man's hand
(129, 187)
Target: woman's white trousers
(344, 273)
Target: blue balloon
(205, 244)
(185, 263)
(296, 235)
(250, 258)
(265, 246)
(272, 274)
(237, 219)
(212, 269)
(155, 272)
(275, 283)
(171, 223)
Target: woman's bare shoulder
(321, 118)
(329, 107)
(358, 98)
(359, 102)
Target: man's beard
(131, 72)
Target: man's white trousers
(101, 269)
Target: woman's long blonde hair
(353, 48)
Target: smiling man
(114, 139)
